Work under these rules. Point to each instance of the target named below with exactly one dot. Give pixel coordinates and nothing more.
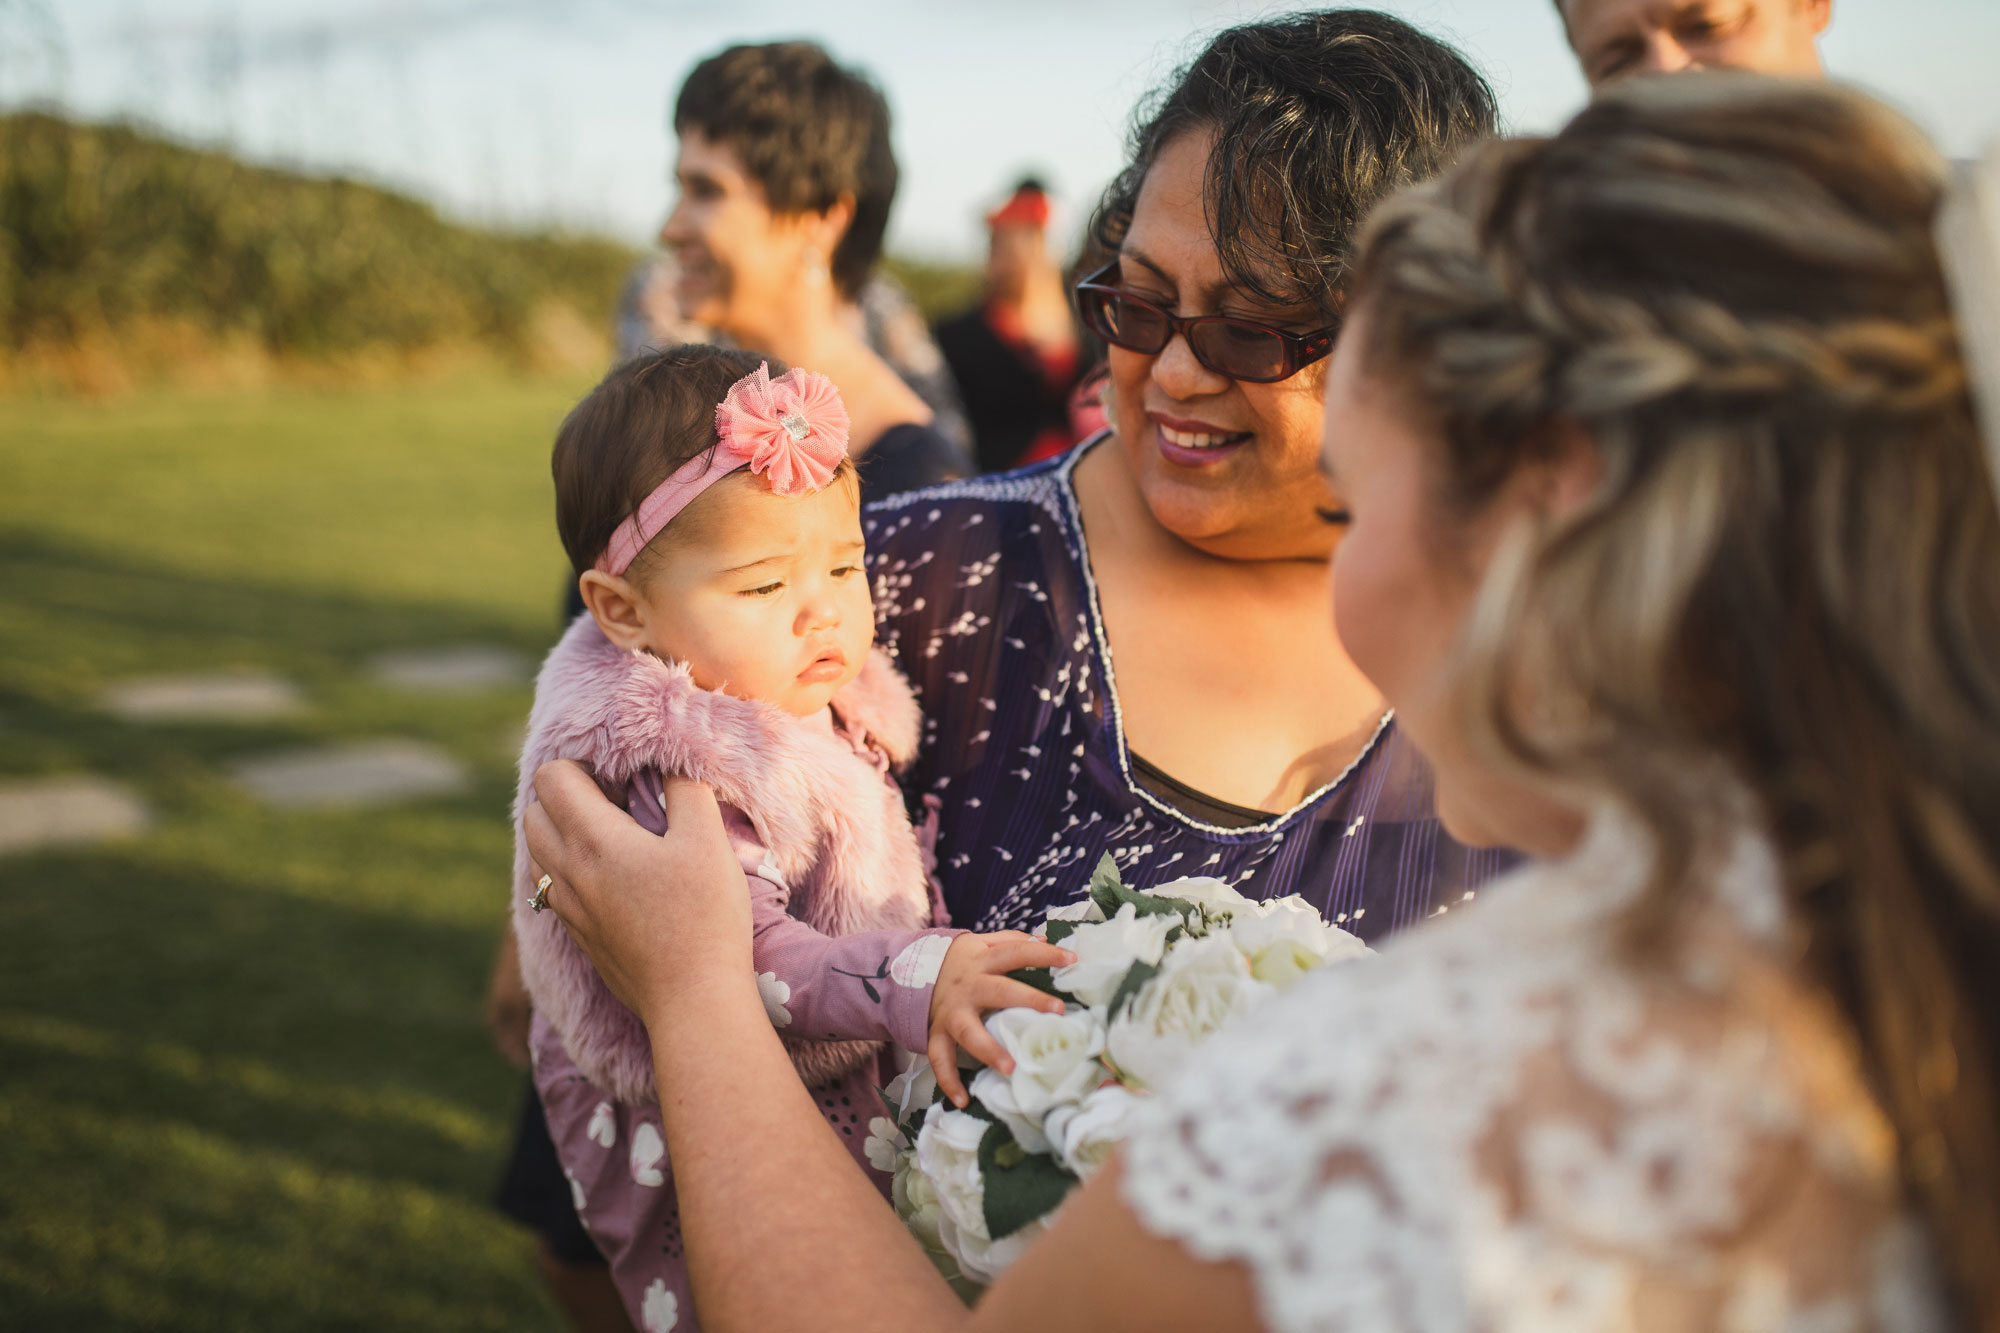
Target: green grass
(246, 1085)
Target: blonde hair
(1792, 565)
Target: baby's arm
(925, 990)
(871, 986)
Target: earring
(816, 270)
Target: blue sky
(531, 111)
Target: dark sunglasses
(1240, 349)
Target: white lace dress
(1496, 1125)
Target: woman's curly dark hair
(1317, 116)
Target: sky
(554, 112)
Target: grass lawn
(243, 1079)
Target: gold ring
(541, 898)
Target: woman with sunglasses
(1126, 649)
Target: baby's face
(763, 596)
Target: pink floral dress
(871, 986)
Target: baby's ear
(614, 605)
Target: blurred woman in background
(786, 177)
(1018, 355)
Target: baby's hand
(974, 981)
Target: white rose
(1055, 1062)
(948, 1156)
(1202, 985)
(1106, 950)
(1215, 898)
(982, 1259)
(917, 1201)
(1085, 1134)
(917, 1204)
(1288, 938)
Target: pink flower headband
(791, 430)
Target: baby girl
(713, 518)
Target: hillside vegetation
(125, 257)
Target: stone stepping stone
(381, 772)
(465, 669)
(229, 696)
(79, 809)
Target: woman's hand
(657, 916)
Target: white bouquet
(1157, 970)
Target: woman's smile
(1190, 443)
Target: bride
(1672, 544)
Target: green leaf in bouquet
(1105, 878)
(1117, 895)
(1062, 930)
(1135, 976)
(1020, 1186)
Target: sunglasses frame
(1299, 349)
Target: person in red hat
(1018, 355)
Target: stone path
(465, 669)
(377, 772)
(230, 696)
(66, 810)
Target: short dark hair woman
(786, 177)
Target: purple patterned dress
(984, 596)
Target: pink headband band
(792, 431)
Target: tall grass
(124, 255)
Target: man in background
(1616, 38)
(1017, 356)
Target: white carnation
(1085, 1134)
(1202, 985)
(1106, 950)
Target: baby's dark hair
(629, 434)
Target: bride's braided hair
(1793, 560)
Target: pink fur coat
(836, 831)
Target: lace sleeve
(1491, 1127)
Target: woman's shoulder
(968, 526)
(1029, 493)
(1501, 1084)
